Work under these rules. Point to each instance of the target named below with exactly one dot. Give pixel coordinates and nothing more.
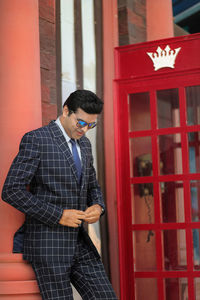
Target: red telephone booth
(157, 134)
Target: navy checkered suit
(45, 165)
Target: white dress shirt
(68, 138)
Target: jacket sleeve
(94, 191)
(21, 172)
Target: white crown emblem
(164, 58)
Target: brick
(47, 60)
(123, 21)
(49, 78)
(135, 19)
(121, 3)
(45, 93)
(53, 76)
(140, 9)
(53, 96)
(49, 112)
(124, 40)
(47, 10)
(136, 34)
(47, 46)
(132, 21)
(131, 4)
(45, 76)
(47, 28)
(47, 37)
(135, 5)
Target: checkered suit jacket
(45, 164)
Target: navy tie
(76, 158)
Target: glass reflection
(176, 289)
(194, 151)
(195, 199)
(196, 250)
(197, 288)
(143, 203)
(168, 108)
(193, 104)
(172, 198)
(170, 154)
(175, 249)
(141, 162)
(195, 204)
(144, 245)
(139, 112)
(150, 291)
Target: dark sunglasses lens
(82, 123)
(92, 125)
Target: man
(52, 180)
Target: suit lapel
(63, 145)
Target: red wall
(20, 112)
(159, 19)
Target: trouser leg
(88, 275)
(53, 281)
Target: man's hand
(72, 217)
(92, 213)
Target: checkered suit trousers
(86, 273)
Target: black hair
(86, 100)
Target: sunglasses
(80, 123)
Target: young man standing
(52, 180)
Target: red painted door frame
(135, 74)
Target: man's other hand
(72, 217)
(92, 213)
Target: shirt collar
(62, 129)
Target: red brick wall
(47, 26)
(132, 21)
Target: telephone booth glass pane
(170, 154)
(176, 289)
(150, 291)
(175, 249)
(139, 112)
(144, 245)
(196, 250)
(193, 104)
(195, 200)
(142, 203)
(141, 156)
(194, 151)
(197, 288)
(168, 108)
(172, 200)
